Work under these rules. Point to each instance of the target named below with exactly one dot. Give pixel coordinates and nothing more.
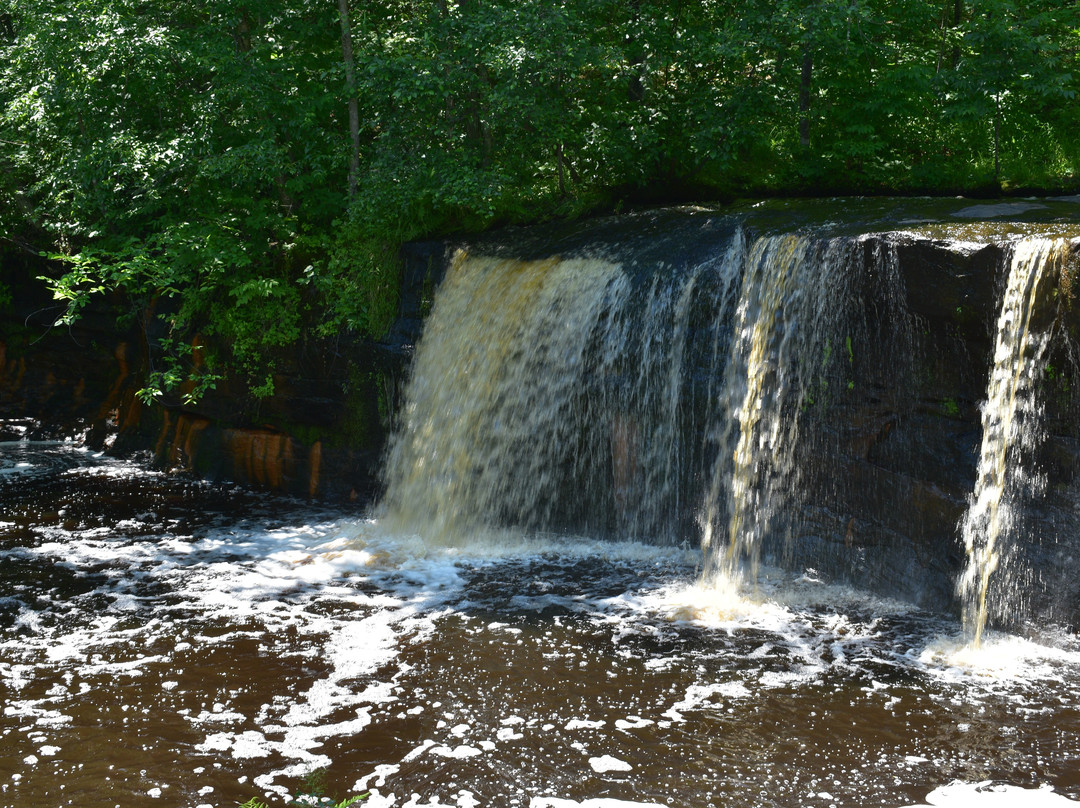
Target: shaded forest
(249, 170)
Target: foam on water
(990, 795)
(553, 802)
(513, 670)
(999, 659)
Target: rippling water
(169, 642)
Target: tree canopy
(249, 168)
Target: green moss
(307, 434)
(367, 409)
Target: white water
(1010, 428)
(568, 394)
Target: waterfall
(1011, 428)
(790, 319)
(660, 403)
(488, 414)
(746, 482)
(552, 395)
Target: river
(167, 641)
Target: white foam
(382, 771)
(707, 696)
(458, 752)
(1001, 659)
(775, 602)
(463, 799)
(990, 795)
(607, 763)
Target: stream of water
(169, 642)
(1011, 426)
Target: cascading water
(562, 404)
(1011, 426)
(487, 418)
(663, 405)
(790, 313)
(753, 420)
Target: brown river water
(167, 642)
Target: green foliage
(193, 158)
(181, 368)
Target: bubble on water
(553, 802)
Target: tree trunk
(997, 140)
(958, 16)
(242, 35)
(350, 88)
(559, 163)
(944, 28)
(804, 97)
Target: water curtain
(690, 403)
(582, 394)
(1011, 428)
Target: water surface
(166, 641)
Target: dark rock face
(322, 434)
(67, 380)
(893, 457)
(900, 448)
